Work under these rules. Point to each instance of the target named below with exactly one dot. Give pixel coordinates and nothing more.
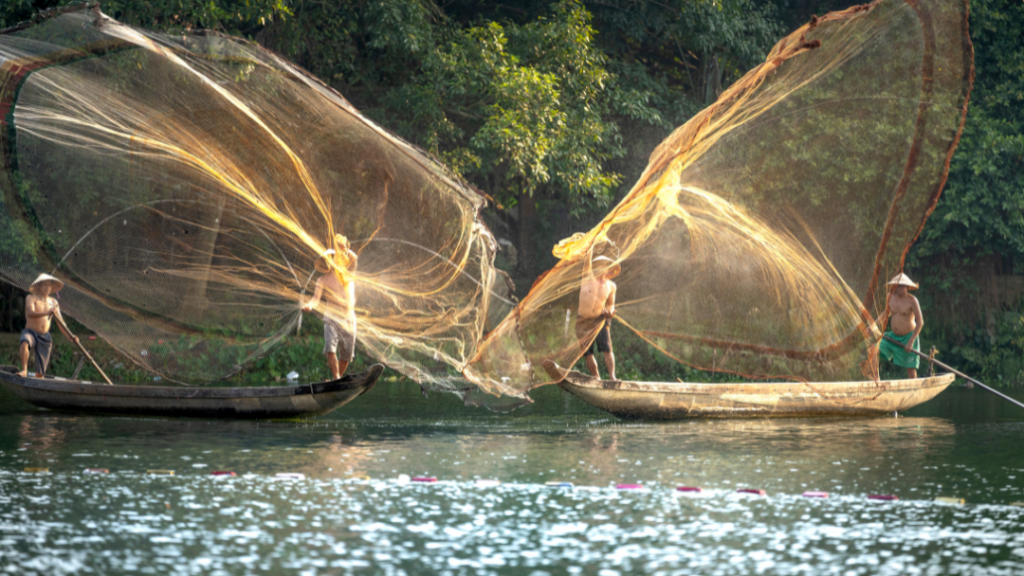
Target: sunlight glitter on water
(190, 525)
(349, 512)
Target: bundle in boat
(758, 239)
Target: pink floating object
(159, 341)
(629, 487)
(752, 491)
(92, 337)
(815, 494)
(883, 497)
(689, 489)
(222, 473)
(424, 479)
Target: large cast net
(759, 238)
(185, 185)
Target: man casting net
(185, 186)
(759, 238)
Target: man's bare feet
(23, 373)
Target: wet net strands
(755, 241)
(185, 185)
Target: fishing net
(760, 236)
(184, 186)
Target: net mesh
(760, 236)
(184, 187)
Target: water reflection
(351, 514)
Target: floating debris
(222, 473)
(290, 476)
(688, 489)
(889, 497)
(160, 472)
(424, 479)
(754, 491)
(34, 470)
(812, 494)
(97, 471)
(559, 484)
(948, 500)
(629, 487)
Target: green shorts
(896, 354)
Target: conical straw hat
(902, 279)
(611, 265)
(48, 278)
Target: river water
(353, 512)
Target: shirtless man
(597, 306)
(39, 308)
(339, 295)
(905, 323)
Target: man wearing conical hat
(904, 315)
(597, 306)
(39, 309)
(337, 292)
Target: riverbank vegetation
(551, 109)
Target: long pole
(958, 373)
(64, 326)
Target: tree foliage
(982, 208)
(553, 107)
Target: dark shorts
(603, 340)
(41, 345)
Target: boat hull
(675, 401)
(269, 402)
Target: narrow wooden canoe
(268, 402)
(671, 401)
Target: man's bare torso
(902, 319)
(38, 305)
(594, 297)
(338, 298)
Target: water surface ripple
(355, 512)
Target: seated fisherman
(597, 306)
(39, 308)
(905, 323)
(339, 295)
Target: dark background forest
(552, 108)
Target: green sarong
(896, 354)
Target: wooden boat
(266, 402)
(677, 400)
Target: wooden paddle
(64, 327)
(957, 372)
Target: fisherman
(39, 308)
(597, 306)
(905, 322)
(338, 290)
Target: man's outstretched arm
(61, 324)
(316, 296)
(588, 265)
(919, 320)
